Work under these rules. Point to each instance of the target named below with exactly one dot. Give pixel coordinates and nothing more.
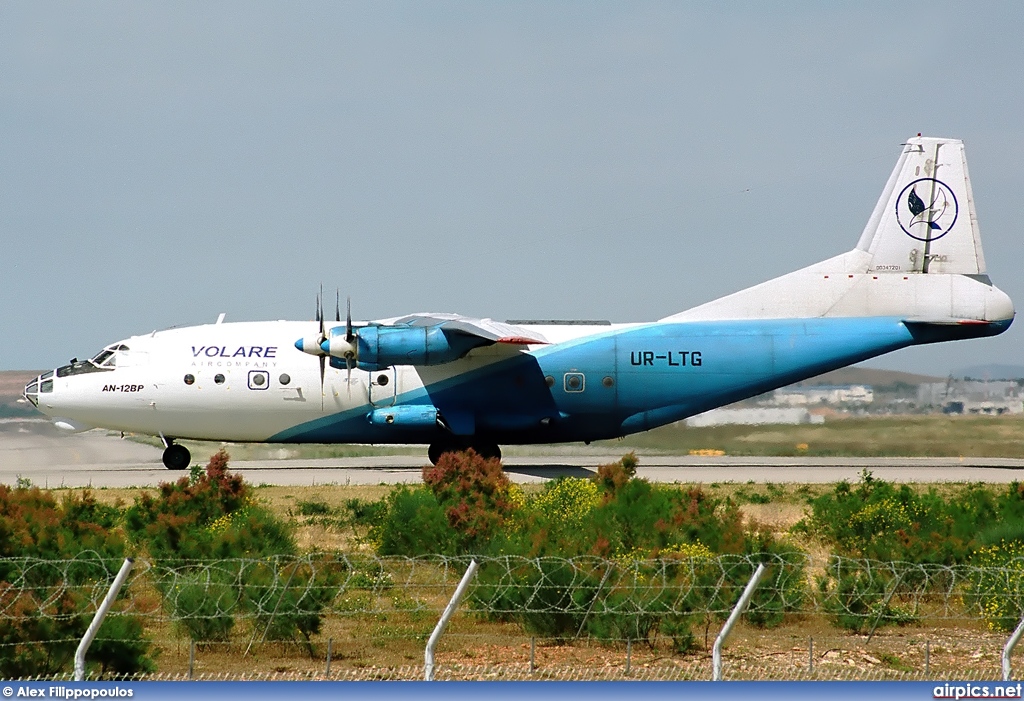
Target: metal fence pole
(737, 611)
(449, 610)
(1008, 649)
(97, 620)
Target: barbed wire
(516, 588)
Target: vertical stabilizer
(924, 221)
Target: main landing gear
(482, 448)
(176, 457)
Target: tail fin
(919, 258)
(925, 221)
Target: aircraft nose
(43, 384)
(31, 392)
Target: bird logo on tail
(929, 217)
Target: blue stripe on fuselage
(637, 378)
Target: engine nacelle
(405, 416)
(379, 347)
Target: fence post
(737, 611)
(449, 610)
(1008, 649)
(97, 620)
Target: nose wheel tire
(177, 457)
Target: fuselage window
(190, 379)
(218, 378)
(574, 382)
(285, 378)
(382, 380)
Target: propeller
(321, 337)
(350, 354)
(312, 344)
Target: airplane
(917, 275)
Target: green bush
(287, 598)
(881, 521)
(202, 602)
(210, 517)
(51, 556)
(996, 584)
(413, 523)
(675, 556)
(861, 595)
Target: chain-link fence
(365, 617)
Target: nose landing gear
(176, 457)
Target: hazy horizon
(161, 164)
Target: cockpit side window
(105, 360)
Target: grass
(932, 435)
(899, 436)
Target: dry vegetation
(390, 645)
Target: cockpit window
(105, 360)
(104, 357)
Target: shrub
(287, 598)
(666, 546)
(861, 595)
(213, 516)
(880, 521)
(613, 476)
(202, 602)
(413, 523)
(996, 584)
(474, 493)
(46, 601)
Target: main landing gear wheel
(484, 450)
(176, 457)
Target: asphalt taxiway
(35, 451)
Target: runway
(36, 452)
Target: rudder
(925, 221)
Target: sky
(161, 163)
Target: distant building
(754, 417)
(823, 394)
(973, 396)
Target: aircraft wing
(487, 329)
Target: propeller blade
(348, 375)
(349, 336)
(320, 312)
(337, 305)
